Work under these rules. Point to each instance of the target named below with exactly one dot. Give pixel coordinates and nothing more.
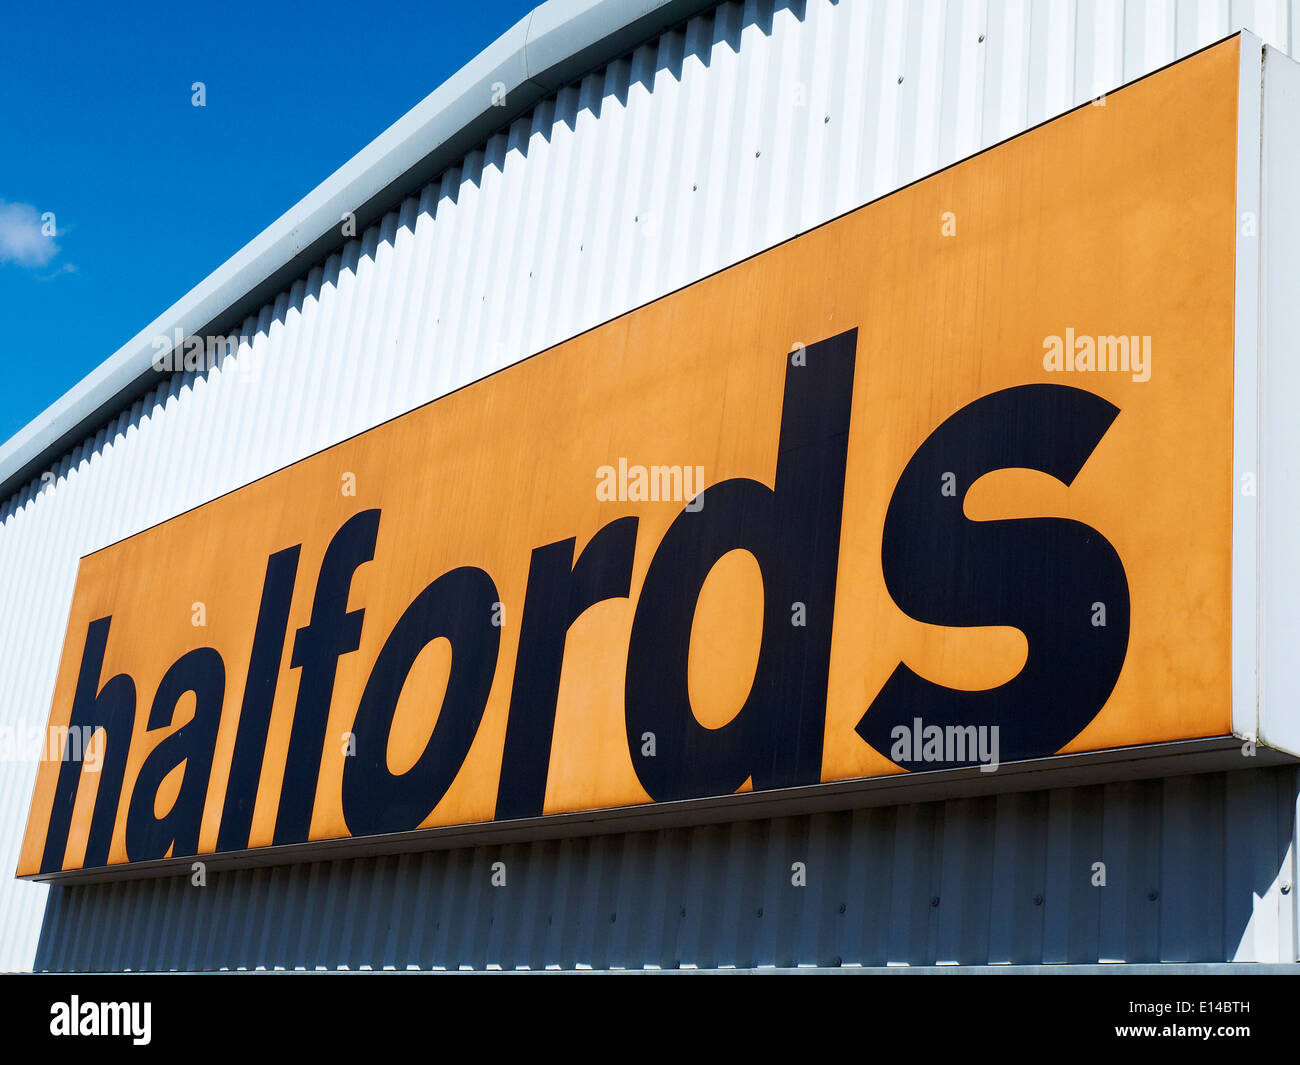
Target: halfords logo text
(75, 1017)
(1042, 575)
(924, 524)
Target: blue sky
(149, 193)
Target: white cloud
(21, 240)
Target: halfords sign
(850, 508)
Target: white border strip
(1245, 397)
(1279, 428)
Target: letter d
(793, 531)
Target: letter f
(332, 632)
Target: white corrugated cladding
(740, 129)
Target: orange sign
(944, 482)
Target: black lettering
(202, 672)
(1041, 575)
(333, 631)
(259, 697)
(458, 606)
(793, 531)
(559, 591)
(111, 708)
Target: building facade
(599, 156)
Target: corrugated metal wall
(742, 128)
(1191, 866)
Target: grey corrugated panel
(1190, 863)
(695, 151)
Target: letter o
(457, 606)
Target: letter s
(1041, 575)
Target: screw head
(1152, 896)
(981, 38)
(1038, 900)
(1286, 889)
(934, 901)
